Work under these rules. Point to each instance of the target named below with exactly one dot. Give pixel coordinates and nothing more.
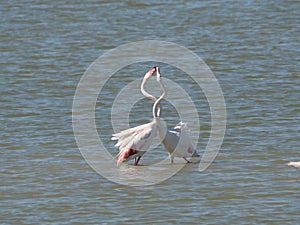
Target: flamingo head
(150, 73)
(157, 74)
(153, 70)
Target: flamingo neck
(144, 92)
(147, 95)
(157, 102)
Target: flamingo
(134, 142)
(176, 141)
(294, 164)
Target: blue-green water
(251, 46)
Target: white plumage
(134, 142)
(294, 164)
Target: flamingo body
(176, 141)
(134, 142)
(294, 164)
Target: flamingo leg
(136, 160)
(172, 159)
(187, 161)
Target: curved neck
(145, 93)
(157, 102)
(149, 96)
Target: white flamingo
(294, 164)
(177, 141)
(134, 142)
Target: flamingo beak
(157, 70)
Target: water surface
(253, 49)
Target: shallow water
(252, 48)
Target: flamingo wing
(134, 141)
(179, 139)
